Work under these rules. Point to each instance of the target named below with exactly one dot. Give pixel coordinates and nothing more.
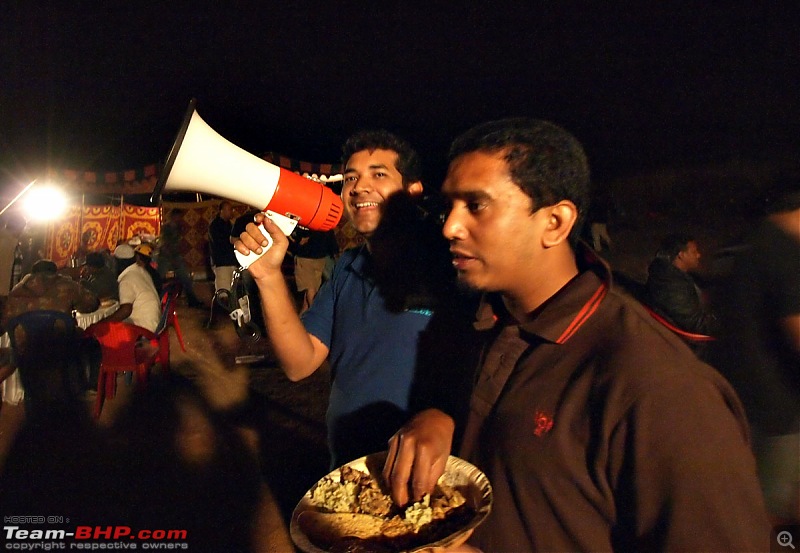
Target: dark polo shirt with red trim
(610, 434)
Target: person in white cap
(138, 299)
(123, 257)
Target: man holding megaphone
(370, 319)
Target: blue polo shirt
(372, 357)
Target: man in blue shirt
(371, 319)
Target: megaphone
(202, 161)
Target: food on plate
(354, 514)
(330, 527)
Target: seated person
(99, 278)
(147, 249)
(139, 301)
(123, 257)
(44, 288)
(671, 290)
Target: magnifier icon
(785, 539)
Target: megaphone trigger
(287, 226)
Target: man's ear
(414, 188)
(561, 219)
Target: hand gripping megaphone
(202, 161)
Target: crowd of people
(130, 278)
(495, 333)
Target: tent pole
(18, 196)
(121, 218)
(80, 219)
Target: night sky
(104, 85)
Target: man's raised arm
(299, 353)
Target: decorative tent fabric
(107, 225)
(110, 224)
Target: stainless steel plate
(459, 474)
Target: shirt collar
(564, 312)
(361, 261)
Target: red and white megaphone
(202, 161)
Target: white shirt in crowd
(136, 287)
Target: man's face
(690, 257)
(226, 212)
(494, 238)
(369, 179)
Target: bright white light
(44, 203)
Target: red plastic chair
(121, 343)
(169, 314)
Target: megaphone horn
(202, 161)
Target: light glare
(44, 203)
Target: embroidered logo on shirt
(542, 423)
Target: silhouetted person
(170, 260)
(10, 252)
(98, 277)
(45, 289)
(173, 462)
(313, 251)
(223, 259)
(759, 348)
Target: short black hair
(409, 164)
(145, 258)
(544, 160)
(44, 266)
(673, 244)
(95, 259)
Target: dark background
(104, 85)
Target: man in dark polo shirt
(598, 428)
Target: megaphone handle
(286, 224)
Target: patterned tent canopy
(143, 181)
(110, 224)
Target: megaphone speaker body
(203, 161)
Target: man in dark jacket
(671, 290)
(223, 260)
(99, 278)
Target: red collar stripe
(583, 315)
